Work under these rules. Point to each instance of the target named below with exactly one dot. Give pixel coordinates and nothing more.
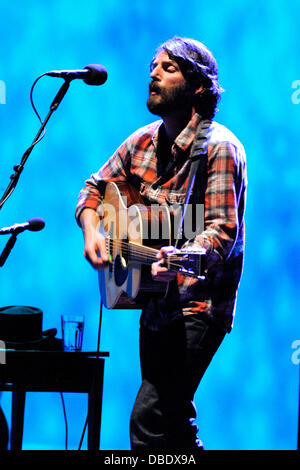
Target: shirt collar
(186, 136)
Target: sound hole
(121, 266)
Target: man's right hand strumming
(94, 242)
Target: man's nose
(155, 74)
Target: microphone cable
(61, 393)
(19, 168)
(65, 418)
(97, 356)
(31, 99)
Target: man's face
(168, 91)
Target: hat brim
(34, 344)
(25, 343)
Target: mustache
(153, 86)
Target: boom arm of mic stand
(19, 168)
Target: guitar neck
(146, 255)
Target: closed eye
(168, 66)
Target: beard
(169, 101)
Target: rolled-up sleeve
(91, 195)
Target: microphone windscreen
(36, 224)
(98, 74)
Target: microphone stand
(7, 249)
(19, 168)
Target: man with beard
(180, 333)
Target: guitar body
(134, 232)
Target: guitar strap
(198, 167)
(198, 158)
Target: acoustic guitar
(134, 233)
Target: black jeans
(173, 362)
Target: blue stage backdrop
(249, 397)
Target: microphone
(33, 225)
(92, 74)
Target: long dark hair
(199, 67)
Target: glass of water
(72, 332)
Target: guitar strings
(138, 251)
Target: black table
(53, 371)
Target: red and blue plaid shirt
(223, 231)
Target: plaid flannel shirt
(223, 232)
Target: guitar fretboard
(138, 253)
